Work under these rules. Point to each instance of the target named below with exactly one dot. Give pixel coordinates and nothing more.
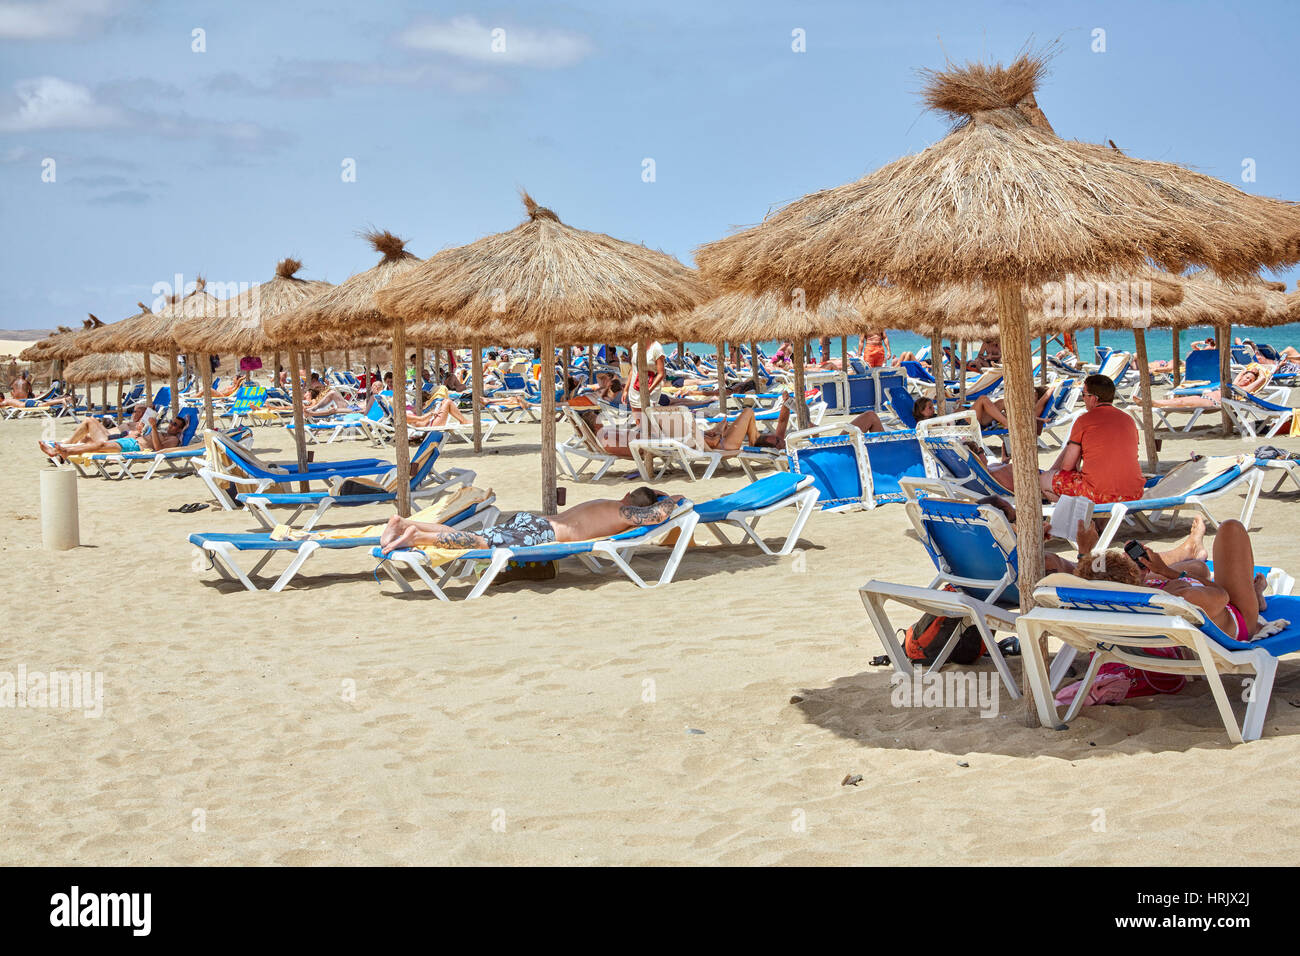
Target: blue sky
(224, 161)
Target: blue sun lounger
(597, 556)
(743, 509)
(247, 470)
(1117, 622)
(853, 470)
(425, 482)
(180, 460)
(973, 548)
(224, 548)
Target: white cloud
(50, 19)
(469, 39)
(47, 102)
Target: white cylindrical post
(60, 530)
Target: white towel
(1269, 628)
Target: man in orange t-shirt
(1100, 461)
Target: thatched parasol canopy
(542, 274)
(1002, 198)
(113, 367)
(155, 331)
(69, 345)
(36, 352)
(341, 315)
(238, 324)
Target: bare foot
(1261, 585)
(51, 450)
(390, 532)
(403, 540)
(1196, 539)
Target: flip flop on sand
(191, 507)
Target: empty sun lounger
(743, 509)
(853, 470)
(425, 482)
(973, 548)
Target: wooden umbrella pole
(347, 360)
(476, 372)
(1013, 321)
(1096, 341)
(1042, 360)
(961, 375)
(148, 381)
(118, 416)
(936, 369)
(1223, 338)
(844, 354)
(722, 381)
(205, 374)
(419, 377)
(368, 366)
(174, 382)
(299, 432)
(1144, 377)
(591, 363)
(103, 396)
(1178, 365)
(547, 383)
(643, 388)
(400, 440)
(800, 403)
(753, 363)
(275, 369)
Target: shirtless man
(97, 441)
(591, 519)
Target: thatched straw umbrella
(344, 314)
(543, 275)
(106, 367)
(1003, 200)
(152, 331)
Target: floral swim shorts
(1073, 483)
(522, 530)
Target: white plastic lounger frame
(612, 550)
(224, 554)
(804, 500)
(1122, 634)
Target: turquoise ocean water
(1159, 341)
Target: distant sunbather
(922, 409)
(587, 521)
(98, 441)
(1250, 379)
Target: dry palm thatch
(113, 367)
(155, 331)
(1252, 300)
(36, 351)
(542, 274)
(342, 314)
(1003, 199)
(239, 325)
(70, 345)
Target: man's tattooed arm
(467, 540)
(653, 514)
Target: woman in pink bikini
(1232, 597)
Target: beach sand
(579, 720)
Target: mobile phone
(1135, 551)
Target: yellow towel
(436, 514)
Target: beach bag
(923, 641)
(250, 363)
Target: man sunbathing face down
(97, 441)
(591, 519)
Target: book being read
(1066, 515)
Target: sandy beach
(578, 720)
